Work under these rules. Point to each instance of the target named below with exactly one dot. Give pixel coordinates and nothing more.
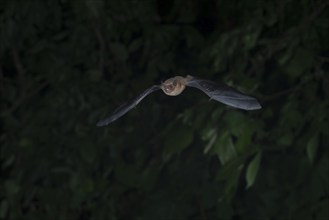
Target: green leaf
(12, 187)
(135, 45)
(301, 61)
(210, 143)
(4, 207)
(312, 147)
(231, 185)
(224, 148)
(8, 162)
(120, 51)
(177, 140)
(252, 170)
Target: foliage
(66, 64)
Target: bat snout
(172, 90)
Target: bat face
(176, 85)
(173, 86)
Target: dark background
(66, 64)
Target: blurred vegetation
(66, 64)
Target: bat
(176, 85)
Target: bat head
(173, 86)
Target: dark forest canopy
(66, 64)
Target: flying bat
(175, 86)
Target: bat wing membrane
(225, 94)
(126, 107)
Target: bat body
(176, 85)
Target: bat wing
(124, 108)
(225, 94)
